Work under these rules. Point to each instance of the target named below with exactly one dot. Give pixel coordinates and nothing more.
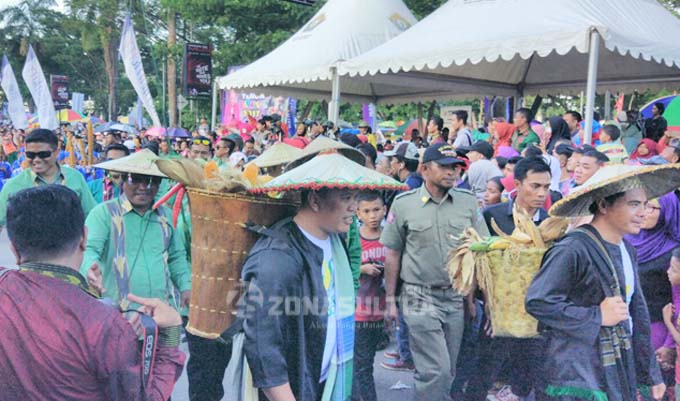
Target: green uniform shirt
(529, 138)
(67, 176)
(425, 231)
(97, 189)
(144, 253)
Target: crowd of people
(105, 237)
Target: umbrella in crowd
(69, 115)
(175, 132)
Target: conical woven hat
(323, 144)
(610, 180)
(279, 153)
(330, 170)
(142, 162)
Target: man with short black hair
(200, 148)
(524, 134)
(423, 226)
(108, 187)
(434, 131)
(573, 120)
(224, 149)
(655, 127)
(587, 295)
(587, 166)
(671, 153)
(59, 342)
(42, 153)
(459, 125)
(532, 182)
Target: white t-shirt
(629, 275)
(463, 138)
(328, 282)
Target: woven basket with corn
(503, 268)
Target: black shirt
(502, 213)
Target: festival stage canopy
(303, 66)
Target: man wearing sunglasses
(200, 148)
(136, 247)
(42, 153)
(224, 148)
(107, 188)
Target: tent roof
(342, 29)
(502, 47)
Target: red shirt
(371, 296)
(60, 343)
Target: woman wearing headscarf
(659, 236)
(645, 149)
(503, 135)
(558, 130)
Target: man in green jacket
(136, 247)
(42, 152)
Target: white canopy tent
(518, 47)
(305, 66)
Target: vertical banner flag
(77, 102)
(129, 53)
(59, 84)
(40, 92)
(197, 71)
(15, 107)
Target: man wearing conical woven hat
(587, 295)
(299, 304)
(136, 247)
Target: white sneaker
(506, 394)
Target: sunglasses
(45, 154)
(115, 176)
(202, 142)
(144, 179)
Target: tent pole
(607, 105)
(334, 105)
(593, 59)
(213, 119)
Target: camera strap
(149, 345)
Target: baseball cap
(363, 124)
(482, 147)
(441, 153)
(276, 117)
(406, 150)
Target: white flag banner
(77, 102)
(9, 84)
(129, 53)
(42, 96)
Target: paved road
(384, 378)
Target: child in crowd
(611, 145)
(370, 297)
(669, 313)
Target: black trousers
(367, 335)
(208, 359)
(500, 355)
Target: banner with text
(59, 84)
(197, 76)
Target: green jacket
(148, 261)
(67, 176)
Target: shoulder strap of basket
(3, 271)
(616, 288)
(120, 263)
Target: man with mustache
(42, 152)
(136, 247)
(423, 225)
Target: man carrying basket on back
(587, 295)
